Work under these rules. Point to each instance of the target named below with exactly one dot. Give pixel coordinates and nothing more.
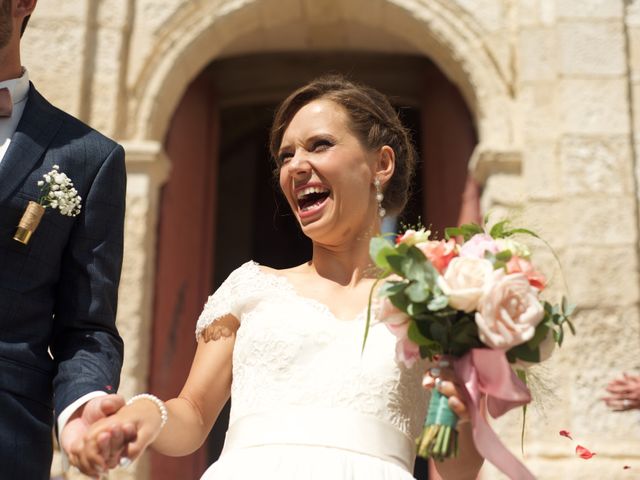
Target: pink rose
(439, 253)
(477, 245)
(398, 322)
(509, 311)
(520, 265)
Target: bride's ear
(385, 164)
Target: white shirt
(19, 89)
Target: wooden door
(184, 266)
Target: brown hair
(372, 119)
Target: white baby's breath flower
(59, 193)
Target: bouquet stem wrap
(487, 376)
(439, 439)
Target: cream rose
(464, 282)
(509, 311)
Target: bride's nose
(299, 165)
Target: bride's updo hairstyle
(371, 118)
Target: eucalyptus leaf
(438, 303)
(392, 287)
(379, 250)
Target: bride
(307, 402)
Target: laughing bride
(286, 344)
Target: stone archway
(203, 33)
(438, 29)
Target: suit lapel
(38, 125)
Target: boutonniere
(58, 193)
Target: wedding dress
(306, 403)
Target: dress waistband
(333, 428)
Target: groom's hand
(112, 444)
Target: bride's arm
(190, 416)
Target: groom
(60, 352)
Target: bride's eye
(284, 157)
(321, 145)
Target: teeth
(309, 190)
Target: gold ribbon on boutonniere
(58, 193)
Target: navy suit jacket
(58, 293)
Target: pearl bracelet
(164, 415)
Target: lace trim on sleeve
(224, 300)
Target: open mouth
(311, 197)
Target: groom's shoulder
(73, 131)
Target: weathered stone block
(596, 9)
(590, 48)
(538, 111)
(596, 165)
(537, 54)
(610, 220)
(597, 106)
(602, 277)
(541, 171)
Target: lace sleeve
(224, 300)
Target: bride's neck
(346, 265)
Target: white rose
(509, 311)
(464, 282)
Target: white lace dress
(305, 402)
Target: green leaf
(438, 333)
(523, 352)
(504, 255)
(498, 229)
(522, 375)
(452, 232)
(525, 231)
(379, 250)
(571, 327)
(368, 321)
(416, 309)
(415, 335)
(438, 303)
(392, 287)
(540, 334)
(395, 263)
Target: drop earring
(379, 197)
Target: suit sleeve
(86, 346)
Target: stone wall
(554, 86)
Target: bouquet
(478, 303)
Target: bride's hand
(97, 455)
(443, 378)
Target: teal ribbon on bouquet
(486, 375)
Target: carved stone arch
(438, 29)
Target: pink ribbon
(486, 374)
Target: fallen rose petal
(584, 453)
(565, 433)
